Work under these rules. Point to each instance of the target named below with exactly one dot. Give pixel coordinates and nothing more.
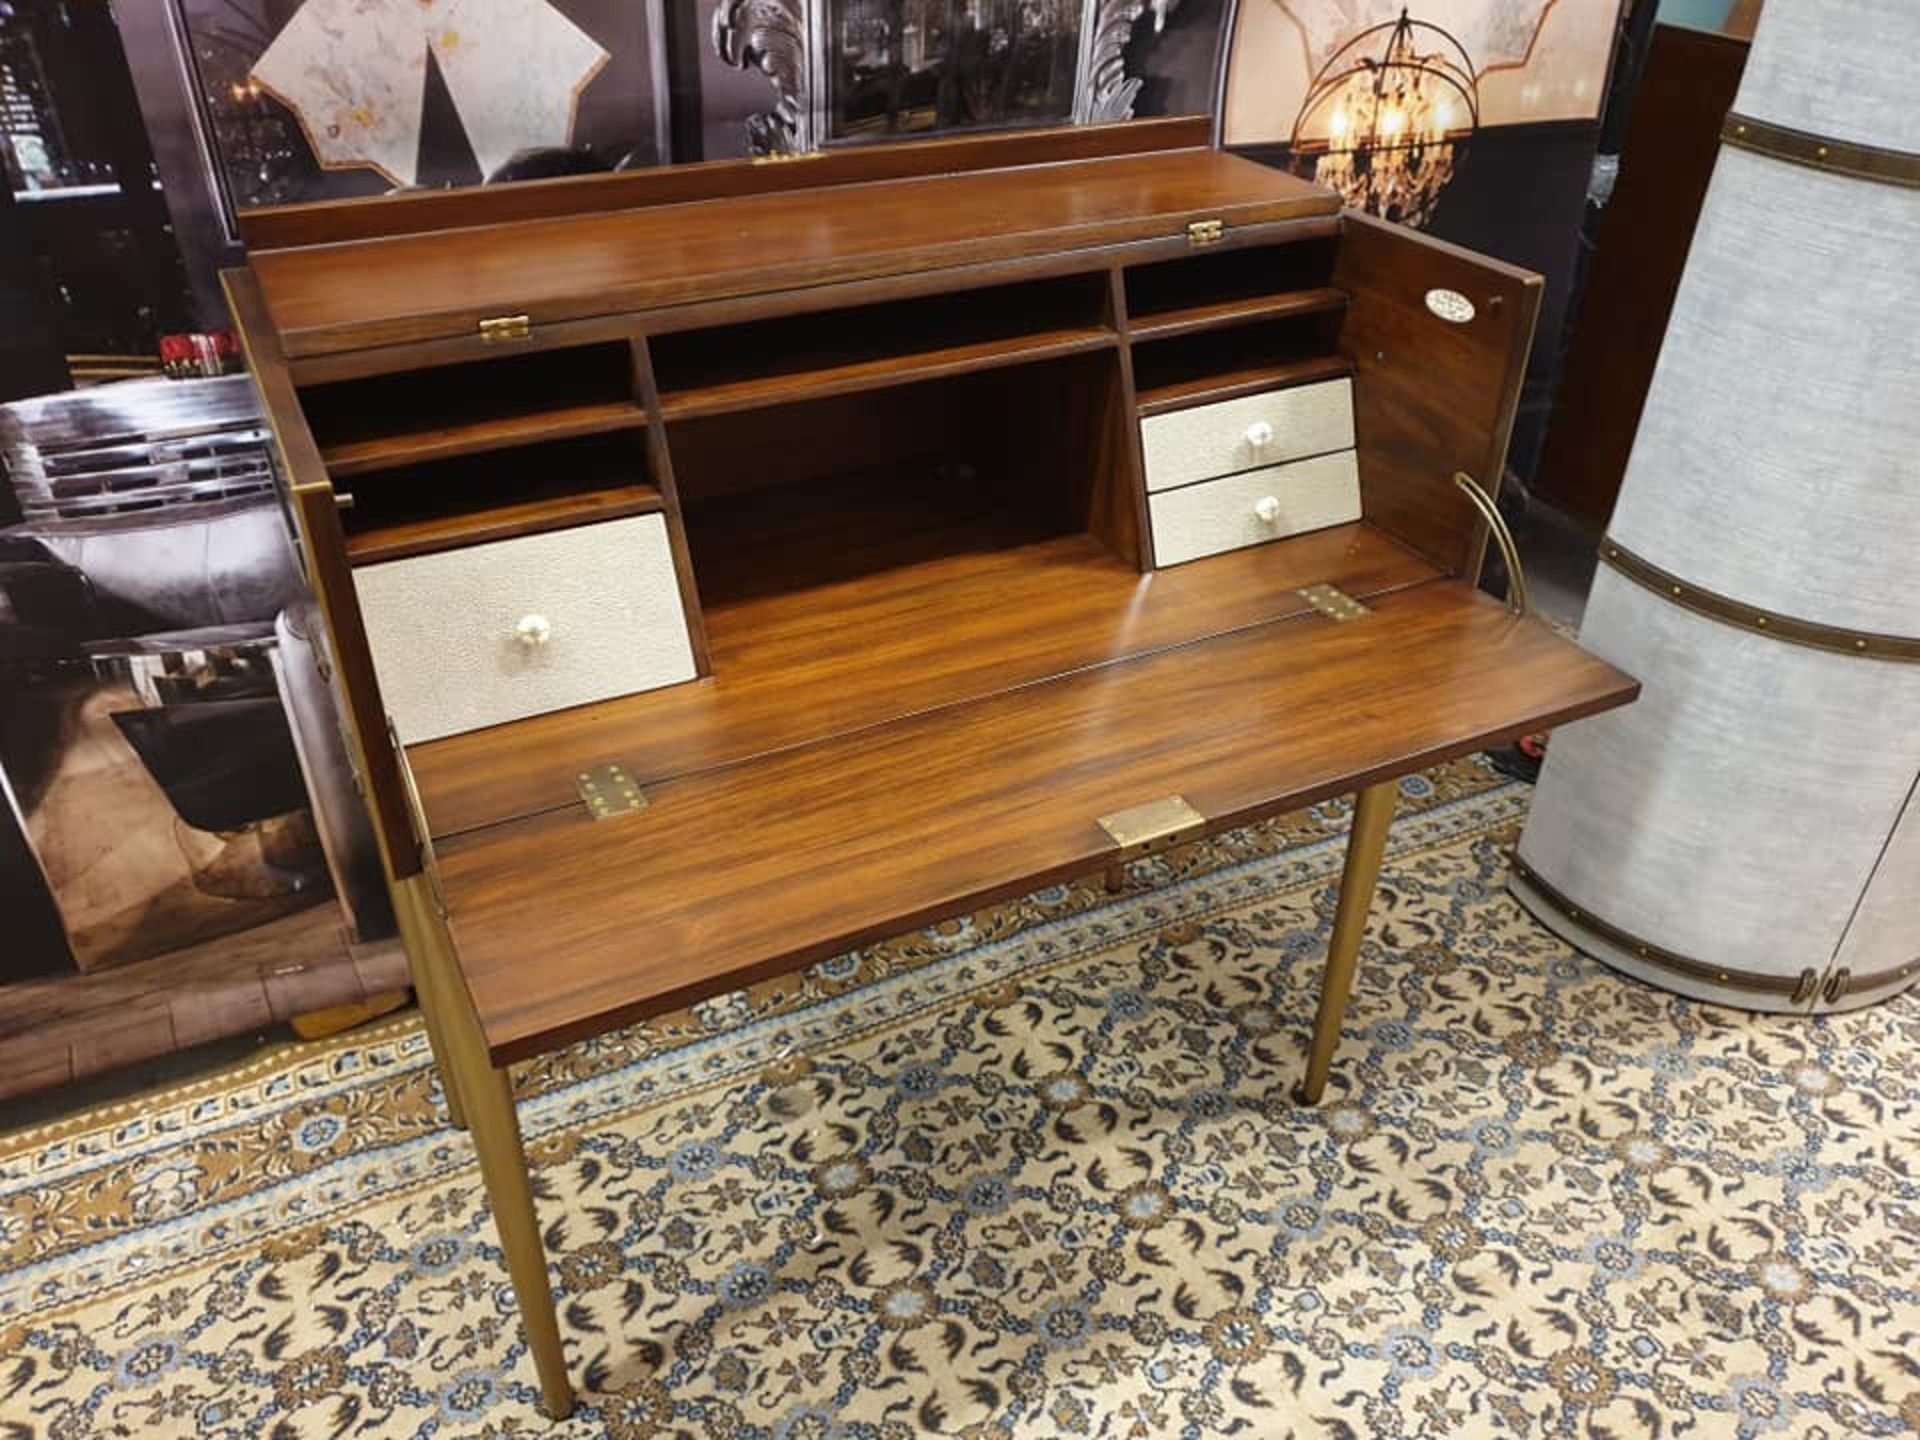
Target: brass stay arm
(1517, 599)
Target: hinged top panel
(329, 298)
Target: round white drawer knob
(1259, 434)
(533, 630)
(1267, 508)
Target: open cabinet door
(1438, 338)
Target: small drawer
(1204, 441)
(1251, 508)
(466, 638)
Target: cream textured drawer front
(1208, 440)
(467, 638)
(1260, 505)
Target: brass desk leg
(1366, 843)
(486, 1090)
(426, 991)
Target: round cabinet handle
(533, 630)
(1259, 434)
(1267, 509)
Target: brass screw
(1676, 590)
(1739, 129)
(1821, 153)
(1761, 621)
(1859, 644)
(1721, 976)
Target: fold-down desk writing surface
(737, 874)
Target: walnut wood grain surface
(478, 436)
(734, 874)
(414, 287)
(328, 222)
(423, 534)
(1431, 397)
(790, 669)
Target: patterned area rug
(1036, 1173)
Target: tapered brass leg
(426, 991)
(1366, 843)
(486, 1090)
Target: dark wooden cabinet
(750, 577)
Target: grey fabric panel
(1886, 931)
(1734, 812)
(1839, 68)
(1778, 458)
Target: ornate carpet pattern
(1036, 1173)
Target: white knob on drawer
(1259, 434)
(533, 630)
(1267, 508)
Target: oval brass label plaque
(1451, 306)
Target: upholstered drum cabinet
(1751, 834)
(728, 567)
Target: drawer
(1203, 441)
(457, 635)
(1228, 514)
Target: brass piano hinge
(1205, 232)
(1334, 603)
(506, 327)
(607, 791)
(1157, 825)
(785, 157)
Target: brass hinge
(506, 327)
(607, 791)
(1334, 603)
(1205, 232)
(787, 157)
(1157, 825)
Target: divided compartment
(1211, 365)
(806, 495)
(496, 495)
(1215, 288)
(419, 416)
(761, 362)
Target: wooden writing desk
(730, 581)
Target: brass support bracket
(1477, 496)
(1157, 825)
(607, 791)
(1334, 603)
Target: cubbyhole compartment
(421, 416)
(1216, 289)
(760, 362)
(496, 495)
(1212, 365)
(804, 496)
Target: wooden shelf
(961, 621)
(1250, 380)
(403, 535)
(472, 437)
(1184, 320)
(776, 387)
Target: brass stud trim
(1790, 628)
(1799, 988)
(1820, 152)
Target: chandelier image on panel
(1387, 119)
